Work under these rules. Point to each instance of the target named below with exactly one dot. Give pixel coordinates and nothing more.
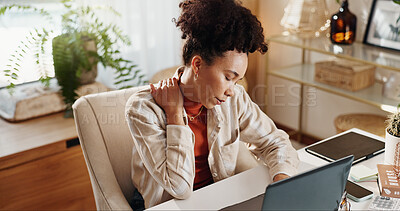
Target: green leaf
(121, 81)
(11, 86)
(3, 10)
(396, 1)
(126, 87)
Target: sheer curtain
(156, 42)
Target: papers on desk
(360, 173)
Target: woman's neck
(188, 86)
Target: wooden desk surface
(47, 135)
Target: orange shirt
(199, 127)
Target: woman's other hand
(280, 177)
(168, 96)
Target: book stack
(388, 181)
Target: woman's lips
(219, 102)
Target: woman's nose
(229, 92)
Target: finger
(152, 88)
(159, 84)
(170, 83)
(178, 79)
(164, 83)
(175, 81)
(153, 91)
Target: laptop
(318, 189)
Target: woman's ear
(196, 63)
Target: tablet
(361, 146)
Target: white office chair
(107, 147)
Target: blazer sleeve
(167, 151)
(266, 141)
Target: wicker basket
(345, 74)
(372, 123)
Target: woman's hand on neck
(168, 96)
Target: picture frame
(383, 28)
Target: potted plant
(392, 140)
(84, 41)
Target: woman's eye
(227, 78)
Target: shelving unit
(379, 57)
(303, 73)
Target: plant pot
(89, 76)
(392, 143)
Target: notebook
(350, 143)
(318, 189)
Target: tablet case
(361, 146)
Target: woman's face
(216, 82)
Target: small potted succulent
(84, 41)
(392, 139)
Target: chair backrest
(107, 146)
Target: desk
(253, 182)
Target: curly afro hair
(212, 27)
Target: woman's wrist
(175, 118)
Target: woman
(186, 129)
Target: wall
(253, 69)
(321, 107)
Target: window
(15, 25)
(155, 40)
